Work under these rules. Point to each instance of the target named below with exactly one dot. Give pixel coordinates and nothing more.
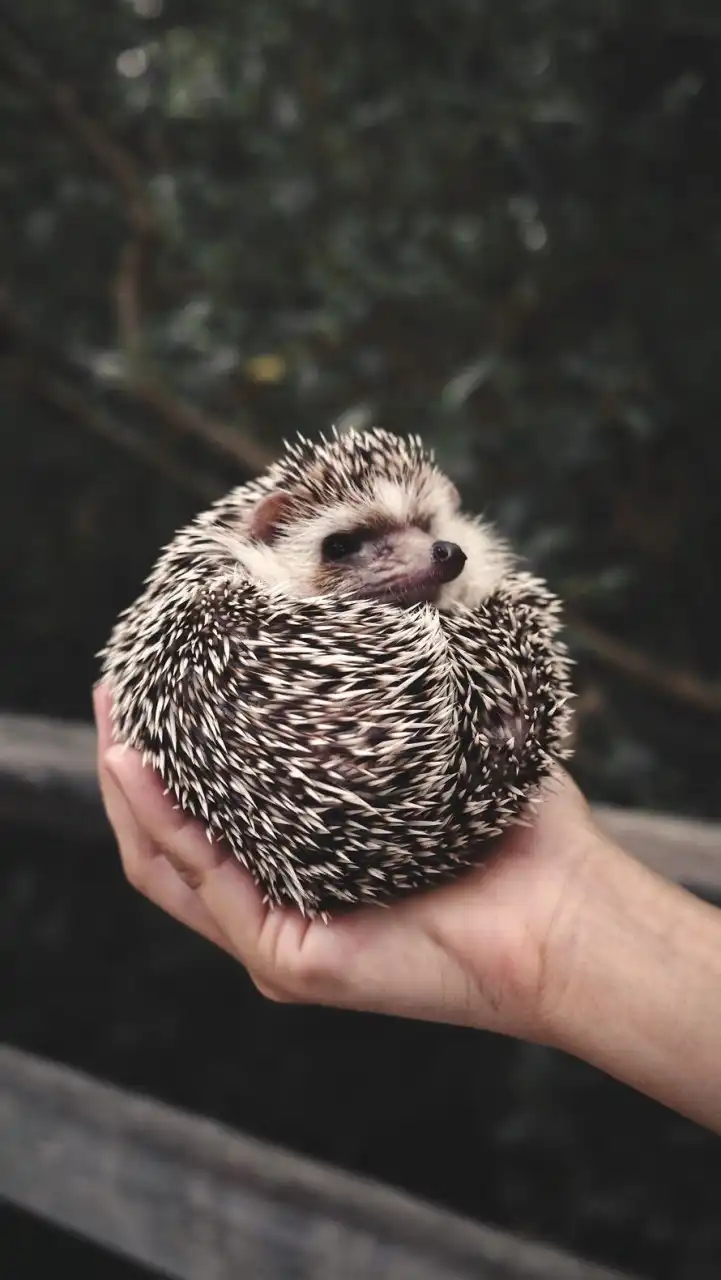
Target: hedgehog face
(400, 564)
(399, 541)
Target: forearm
(641, 993)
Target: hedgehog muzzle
(408, 567)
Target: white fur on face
(488, 560)
(292, 563)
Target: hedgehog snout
(448, 560)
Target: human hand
(486, 951)
(560, 938)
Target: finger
(225, 891)
(157, 867)
(150, 873)
(367, 961)
(144, 864)
(103, 723)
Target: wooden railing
(199, 1202)
(55, 760)
(188, 1196)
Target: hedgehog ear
(454, 497)
(269, 515)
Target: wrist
(636, 987)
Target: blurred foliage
(497, 225)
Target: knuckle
(191, 876)
(273, 991)
(137, 863)
(309, 979)
(135, 869)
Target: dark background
(496, 225)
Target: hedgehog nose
(449, 558)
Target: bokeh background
(495, 225)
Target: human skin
(560, 938)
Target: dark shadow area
(494, 225)
(28, 1244)
(522, 1138)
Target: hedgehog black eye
(339, 545)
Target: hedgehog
(343, 676)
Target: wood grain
(199, 1202)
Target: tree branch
(59, 98)
(128, 293)
(71, 403)
(31, 363)
(234, 443)
(144, 384)
(670, 682)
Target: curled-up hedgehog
(343, 676)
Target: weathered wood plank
(682, 849)
(194, 1199)
(47, 777)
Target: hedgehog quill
(344, 676)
